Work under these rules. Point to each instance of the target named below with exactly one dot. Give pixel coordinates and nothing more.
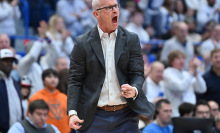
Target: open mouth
(115, 19)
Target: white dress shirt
(207, 46)
(15, 113)
(179, 87)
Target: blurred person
(180, 85)
(163, 118)
(75, 11)
(212, 79)
(10, 96)
(106, 76)
(207, 12)
(55, 99)
(208, 30)
(214, 108)
(171, 32)
(135, 25)
(210, 44)
(35, 122)
(9, 13)
(25, 85)
(217, 123)
(125, 13)
(202, 109)
(179, 42)
(29, 65)
(179, 10)
(153, 86)
(192, 35)
(4, 41)
(195, 4)
(61, 64)
(59, 37)
(186, 109)
(152, 14)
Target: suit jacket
(87, 73)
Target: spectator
(206, 13)
(163, 118)
(29, 64)
(208, 30)
(192, 36)
(61, 64)
(152, 14)
(179, 42)
(214, 108)
(55, 99)
(25, 85)
(63, 80)
(153, 87)
(202, 109)
(75, 11)
(212, 79)
(9, 12)
(195, 4)
(4, 41)
(136, 26)
(186, 109)
(180, 85)
(180, 10)
(210, 44)
(217, 123)
(10, 96)
(60, 37)
(36, 120)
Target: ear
(95, 14)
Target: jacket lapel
(119, 45)
(96, 45)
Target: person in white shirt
(136, 26)
(210, 44)
(180, 85)
(153, 87)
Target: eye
(109, 8)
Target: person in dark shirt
(212, 79)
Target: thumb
(80, 121)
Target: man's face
(182, 32)
(61, 64)
(216, 32)
(202, 111)
(25, 91)
(51, 81)
(107, 19)
(216, 60)
(6, 65)
(138, 19)
(39, 117)
(214, 109)
(157, 73)
(164, 115)
(178, 62)
(4, 42)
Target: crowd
(182, 81)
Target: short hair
(173, 55)
(159, 104)
(48, 72)
(37, 104)
(214, 51)
(198, 103)
(95, 4)
(185, 108)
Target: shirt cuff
(72, 112)
(136, 93)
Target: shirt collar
(44, 126)
(101, 33)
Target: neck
(156, 82)
(216, 70)
(105, 30)
(161, 124)
(50, 89)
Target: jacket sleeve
(77, 74)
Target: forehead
(41, 111)
(108, 2)
(3, 37)
(166, 106)
(202, 108)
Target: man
(163, 118)
(180, 85)
(61, 64)
(106, 76)
(186, 109)
(179, 42)
(10, 97)
(202, 109)
(214, 108)
(217, 123)
(153, 86)
(36, 120)
(212, 79)
(4, 41)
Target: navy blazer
(4, 106)
(87, 73)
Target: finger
(81, 121)
(77, 127)
(125, 85)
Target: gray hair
(95, 4)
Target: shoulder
(151, 128)
(207, 74)
(37, 95)
(55, 128)
(16, 128)
(207, 42)
(127, 33)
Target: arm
(68, 46)
(199, 85)
(5, 13)
(17, 13)
(176, 84)
(25, 64)
(16, 128)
